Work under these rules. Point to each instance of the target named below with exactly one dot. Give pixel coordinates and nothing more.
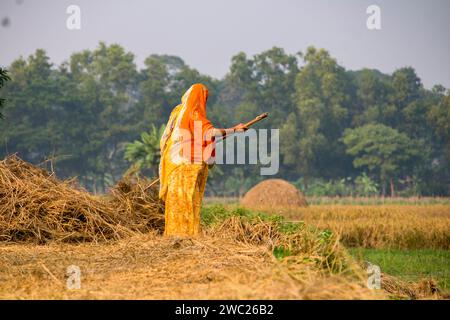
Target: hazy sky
(206, 34)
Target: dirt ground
(155, 267)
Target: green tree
(154, 102)
(382, 150)
(265, 82)
(83, 112)
(32, 112)
(439, 116)
(144, 154)
(262, 83)
(161, 84)
(372, 91)
(106, 80)
(406, 96)
(436, 175)
(324, 94)
(3, 79)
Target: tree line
(342, 132)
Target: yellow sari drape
(182, 181)
(184, 199)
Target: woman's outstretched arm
(225, 132)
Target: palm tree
(144, 154)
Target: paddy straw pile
(37, 207)
(274, 194)
(154, 267)
(232, 260)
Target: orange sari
(182, 171)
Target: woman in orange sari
(186, 146)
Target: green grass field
(410, 265)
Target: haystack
(37, 207)
(274, 194)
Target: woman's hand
(240, 128)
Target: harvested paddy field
(49, 228)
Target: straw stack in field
(275, 194)
(35, 206)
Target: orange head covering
(197, 95)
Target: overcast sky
(207, 33)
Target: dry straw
(423, 289)
(274, 194)
(155, 267)
(37, 207)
